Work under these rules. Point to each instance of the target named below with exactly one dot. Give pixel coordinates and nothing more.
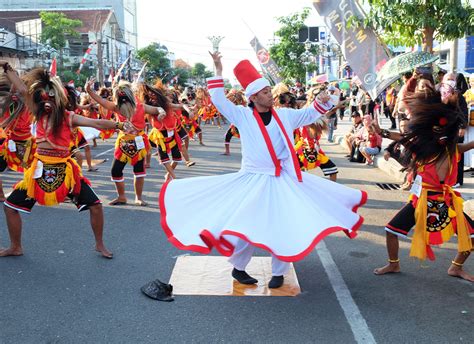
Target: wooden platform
(209, 275)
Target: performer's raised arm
(215, 85)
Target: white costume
(269, 203)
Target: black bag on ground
(158, 290)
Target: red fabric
(62, 139)
(138, 118)
(296, 163)
(246, 73)
(20, 128)
(268, 142)
(169, 122)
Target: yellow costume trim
(49, 198)
(157, 137)
(421, 235)
(141, 154)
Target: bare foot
(202, 144)
(118, 201)
(387, 269)
(457, 271)
(141, 202)
(11, 252)
(225, 153)
(104, 252)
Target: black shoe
(276, 282)
(243, 277)
(347, 156)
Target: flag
(53, 69)
(266, 62)
(84, 58)
(360, 46)
(141, 72)
(119, 72)
(111, 75)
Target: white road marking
(355, 319)
(105, 152)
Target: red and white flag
(84, 58)
(53, 69)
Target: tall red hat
(249, 78)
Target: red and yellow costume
(53, 174)
(308, 150)
(436, 214)
(169, 126)
(207, 110)
(126, 146)
(18, 131)
(106, 114)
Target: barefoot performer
(269, 203)
(130, 147)
(434, 209)
(53, 174)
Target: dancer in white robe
(269, 203)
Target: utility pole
(454, 55)
(129, 65)
(100, 60)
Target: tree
(289, 46)
(418, 22)
(158, 63)
(56, 27)
(200, 73)
(183, 75)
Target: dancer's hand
(89, 83)
(129, 128)
(216, 57)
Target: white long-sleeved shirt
(256, 157)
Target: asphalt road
(62, 291)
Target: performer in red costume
(130, 148)
(53, 174)
(434, 209)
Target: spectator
(353, 133)
(371, 145)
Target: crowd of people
(44, 128)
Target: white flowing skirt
(286, 217)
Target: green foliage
(158, 63)
(183, 75)
(159, 67)
(56, 27)
(200, 73)
(288, 34)
(79, 80)
(415, 22)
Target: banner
(266, 62)
(469, 67)
(360, 47)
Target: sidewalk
(391, 167)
